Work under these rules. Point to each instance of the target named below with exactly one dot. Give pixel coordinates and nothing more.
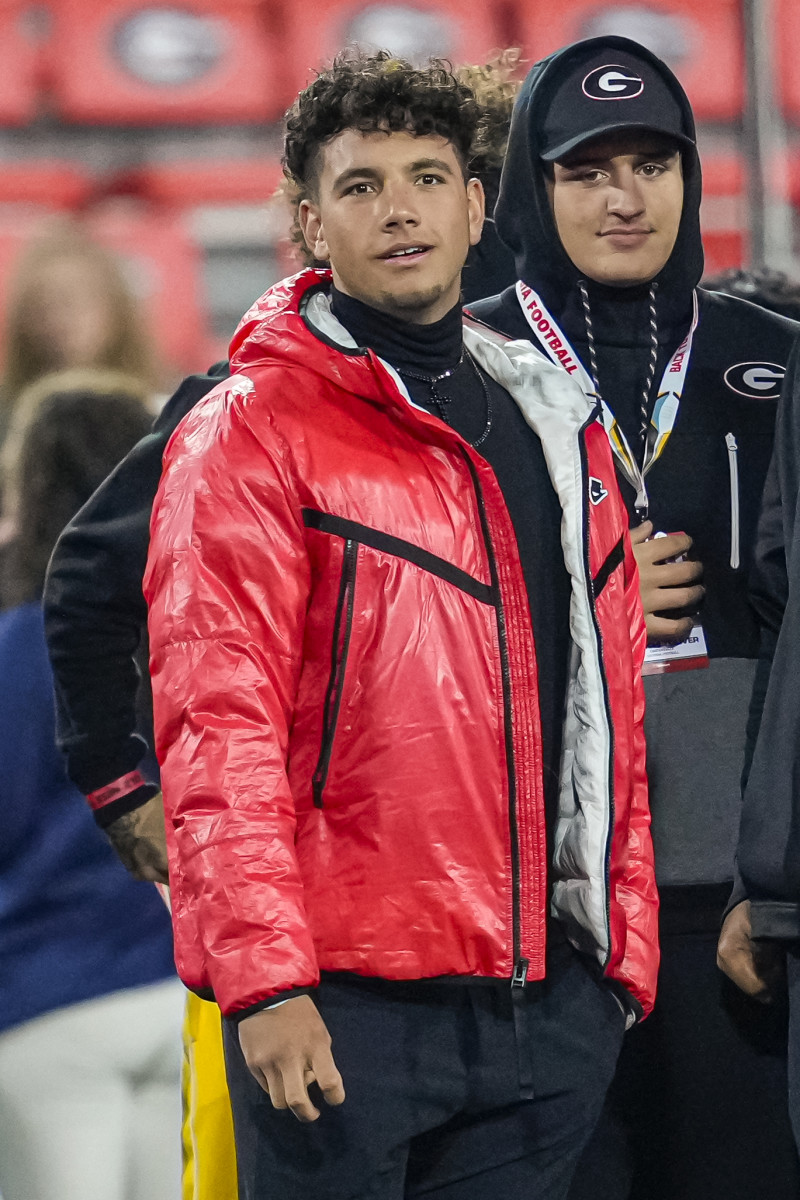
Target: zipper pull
(520, 976)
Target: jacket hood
(278, 327)
(269, 325)
(523, 215)
(270, 332)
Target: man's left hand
(140, 841)
(666, 586)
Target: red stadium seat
(724, 250)
(791, 178)
(414, 29)
(723, 214)
(19, 79)
(700, 39)
(164, 266)
(47, 185)
(142, 62)
(191, 182)
(787, 44)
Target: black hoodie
(709, 479)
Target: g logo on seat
(612, 82)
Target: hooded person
(599, 202)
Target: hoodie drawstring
(651, 366)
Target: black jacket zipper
(520, 970)
(342, 628)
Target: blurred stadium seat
(787, 46)
(164, 266)
(230, 210)
(48, 185)
(19, 80)
(700, 39)
(139, 62)
(723, 214)
(412, 29)
(205, 181)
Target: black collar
(426, 348)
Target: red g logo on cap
(612, 82)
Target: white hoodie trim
(556, 409)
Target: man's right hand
(288, 1047)
(666, 585)
(756, 967)
(140, 841)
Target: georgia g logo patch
(597, 490)
(755, 380)
(612, 82)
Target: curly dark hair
(372, 92)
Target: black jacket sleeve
(768, 582)
(95, 613)
(768, 853)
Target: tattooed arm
(140, 841)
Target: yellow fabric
(209, 1159)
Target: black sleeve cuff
(776, 920)
(109, 813)
(270, 1002)
(738, 892)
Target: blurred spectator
(90, 1010)
(778, 292)
(490, 267)
(773, 290)
(69, 306)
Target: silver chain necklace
(441, 402)
(644, 408)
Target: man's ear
(476, 210)
(310, 221)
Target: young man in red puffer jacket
(396, 646)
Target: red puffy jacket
(344, 675)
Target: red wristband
(114, 791)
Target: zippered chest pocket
(733, 472)
(340, 648)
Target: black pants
(698, 1109)
(793, 980)
(434, 1073)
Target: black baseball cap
(607, 90)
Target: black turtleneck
(515, 454)
(431, 348)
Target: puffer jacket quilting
(340, 634)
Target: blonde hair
(495, 85)
(26, 357)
